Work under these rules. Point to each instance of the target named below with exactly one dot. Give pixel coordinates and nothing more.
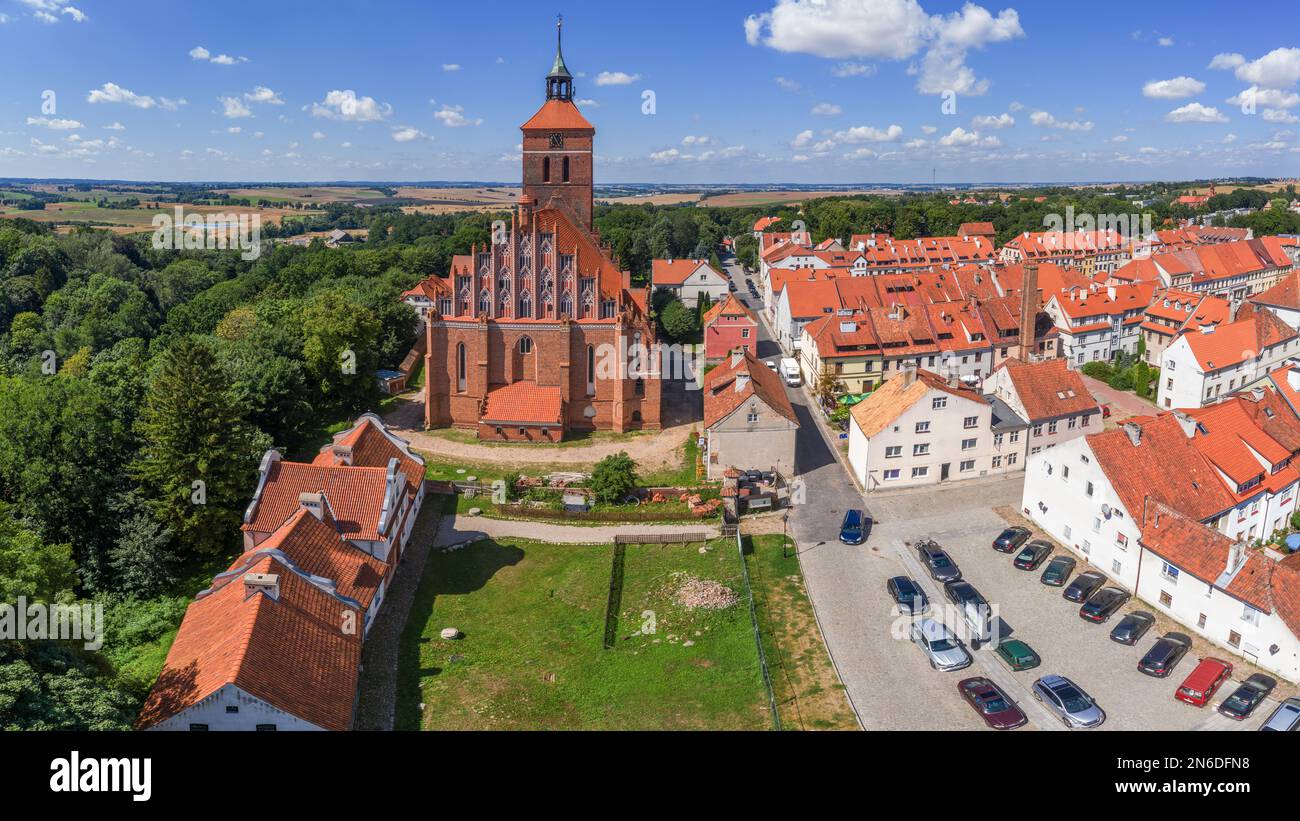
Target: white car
(941, 647)
(770, 364)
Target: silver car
(941, 647)
(1069, 702)
(1286, 718)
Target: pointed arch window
(525, 305)
(566, 306)
(565, 172)
(461, 367)
(546, 169)
(591, 370)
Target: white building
(1051, 399)
(1098, 323)
(1202, 366)
(689, 279)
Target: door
(943, 471)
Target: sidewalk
(461, 528)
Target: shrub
(1098, 370)
(613, 478)
(1122, 381)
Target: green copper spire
(559, 69)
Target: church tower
(557, 147)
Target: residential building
(1201, 367)
(1093, 253)
(688, 280)
(749, 423)
(1098, 323)
(1283, 299)
(1174, 312)
(729, 326)
(1233, 270)
(1049, 397)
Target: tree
(200, 454)
(613, 478)
(30, 568)
(340, 348)
(678, 321)
(828, 389)
(142, 560)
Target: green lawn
(533, 655)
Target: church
(521, 332)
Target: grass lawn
(532, 654)
(809, 695)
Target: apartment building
(1200, 367)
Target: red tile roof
(1048, 389)
(316, 547)
(721, 397)
(356, 494)
(676, 271)
(889, 401)
(369, 444)
(975, 229)
(1106, 302)
(1285, 294)
(1229, 437)
(288, 651)
(524, 403)
(1254, 331)
(763, 223)
(730, 306)
(557, 114)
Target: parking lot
(965, 524)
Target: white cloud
(787, 84)
(866, 133)
(114, 93)
(318, 135)
(960, 137)
(234, 108)
(1046, 120)
(826, 109)
(347, 106)
(616, 78)
(802, 138)
(451, 66)
(1119, 138)
(1229, 139)
(586, 104)
(1174, 89)
(887, 30)
(201, 54)
(1278, 115)
(851, 69)
(453, 116)
(1165, 42)
(1227, 61)
(262, 94)
(234, 129)
(115, 127)
(928, 129)
(1195, 113)
(1270, 97)
(693, 139)
(989, 121)
(54, 124)
(1280, 68)
(406, 134)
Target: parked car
(1017, 655)
(943, 650)
(962, 592)
(1105, 411)
(1101, 605)
(937, 562)
(909, 597)
(1068, 701)
(1083, 586)
(1286, 718)
(1058, 571)
(1011, 538)
(1204, 681)
(1248, 695)
(1132, 627)
(856, 527)
(1032, 555)
(770, 364)
(993, 705)
(1165, 654)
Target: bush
(1098, 370)
(1122, 381)
(613, 478)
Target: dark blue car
(856, 527)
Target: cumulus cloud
(697, 139)
(234, 108)
(1280, 68)
(1227, 61)
(201, 54)
(114, 93)
(990, 121)
(345, 105)
(262, 94)
(406, 134)
(54, 124)
(1270, 97)
(1195, 113)
(802, 138)
(1174, 89)
(616, 78)
(826, 109)
(866, 133)
(888, 30)
(451, 66)
(1046, 120)
(960, 137)
(453, 116)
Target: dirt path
(652, 451)
(461, 528)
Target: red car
(1105, 411)
(998, 711)
(1199, 687)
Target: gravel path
(652, 451)
(377, 704)
(463, 528)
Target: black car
(909, 597)
(1101, 605)
(1248, 695)
(961, 593)
(937, 562)
(1058, 571)
(1164, 655)
(1032, 555)
(1132, 627)
(1083, 586)
(856, 527)
(1011, 538)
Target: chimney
(314, 503)
(909, 376)
(1236, 557)
(1187, 423)
(1028, 311)
(1134, 432)
(1233, 308)
(737, 356)
(742, 381)
(268, 583)
(342, 454)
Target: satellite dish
(1105, 510)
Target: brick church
(520, 330)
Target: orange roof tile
(676, 271)
(729, 306)
(721, 396)
(524, 403)
(356, 494)
(889, 401)
(316, 547)
(557, 114)
(1049, 389)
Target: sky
(723, 91)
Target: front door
(943, 471)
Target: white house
(1283, 299)
(1096, 324)
(1051, 399)
(1202, 366)
(689, 279)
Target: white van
(790, 372)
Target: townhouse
(749, 422)
(688, 280)
(1232, 270)
(1048, 398)
(1098, 323)
(920, 428)
(729, 326)
(1200, 367)
(1174, 312)
(1227, 476)
(1283, 299)
(1093, 253)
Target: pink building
(729, 326)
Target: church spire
(559, 83)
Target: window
(1051, 427)
(232, 708)
(198, 728)
(997, 462)
(1011, 458)
(1169, 364)
(1088, 489)
(744, 333)
(893, 451)
(266, 728)
(939, 403)
(1115, 567)
(970, 422)
(1169, 572)
(1234, 639)
(1166, 600)
(591, 370)
(920, 473)
(461, 367)
(546, 169)
(891, 475)
(752, 417)
(1121, 540)
(967, 466)
(1200, 620)
(1032, 451)
(1015, 436)
(1250, 615)
(997, 440)
(566, 169)
(922, 449)
(638, 388)
(1038, 430)
(923, 427)
(1072, 422)
(525, 345)
(1065, 473)
(1067, 532)
(1086, 547)
(968, 444)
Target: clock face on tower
(557, 141)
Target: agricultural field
(745, 199)
(307, 195)
(132, 220)
(452, 198)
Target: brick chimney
(342, 454)
(268, 583)
(1029, 311)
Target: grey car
(937, 562)
(1286, 718)
(1069, 702)
(944, 650)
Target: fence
(758, 635)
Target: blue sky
(816, 91)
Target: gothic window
(525, 345)
(546, 169)
(460, 367)
(548, 303)
(485, 302)
(525, 305)
(566, 263)
(505, 305)
(638, 387)
(547, 279)
(607, 309)
(588, 298)
(546, 243)
(591, 370)
(566, 169)
(566, 306)
(444, 306)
